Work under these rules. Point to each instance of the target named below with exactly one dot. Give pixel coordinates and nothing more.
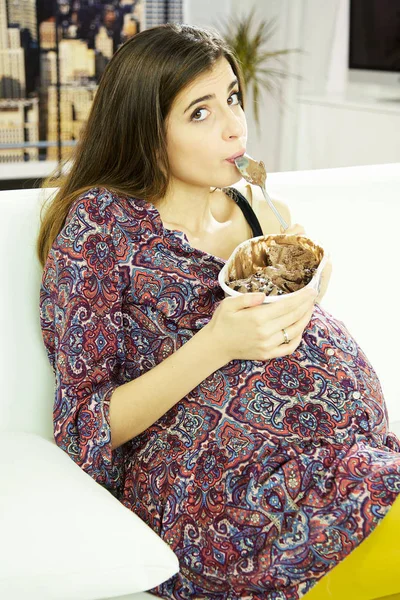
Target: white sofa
(62, 535)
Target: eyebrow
(210, 96)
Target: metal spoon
(254, 172)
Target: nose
(235, 124)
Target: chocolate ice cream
(283, 266)
(256, 172)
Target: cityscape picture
(52, 56)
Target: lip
(232, 158)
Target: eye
(198, 110)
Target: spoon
(254, 172)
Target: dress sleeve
(82, 296)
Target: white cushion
(63, 536)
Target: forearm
(136, 405)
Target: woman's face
(202, 135)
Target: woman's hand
(243, 328)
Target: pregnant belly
(326, 389)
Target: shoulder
(101, 204)
(254, 195)
(96, 202)
(106, 210)
(268, 221)
(97, 224)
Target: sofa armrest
(64, 535)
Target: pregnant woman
(252, 438)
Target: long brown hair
(123, 144)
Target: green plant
(254, 59)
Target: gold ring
(285, 335)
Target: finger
(287, 305)
(297, 329)
(289, 319)
(285, 349)
(293, 329)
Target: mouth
(231, 159)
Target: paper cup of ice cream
(276, 264)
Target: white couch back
(354, 212)
(27, 383)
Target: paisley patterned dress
(267, 474)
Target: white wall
(317, 39)
(205, 12)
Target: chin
(236, 178)
(227, 181)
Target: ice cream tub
(276, 264)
